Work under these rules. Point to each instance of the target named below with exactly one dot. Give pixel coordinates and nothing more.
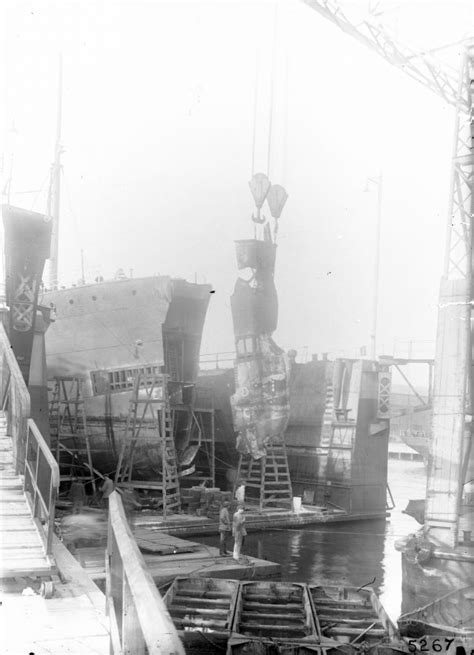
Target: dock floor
(168, 557)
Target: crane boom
(421, 67)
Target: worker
(239, 532)
(224, 527)
(77, 495)
(240, 492)
(106, 489)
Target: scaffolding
(150, 414)
(69, 430)
(270, 475)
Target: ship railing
(32, 457)
(211, 361)
(138, 618)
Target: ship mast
(54, 190)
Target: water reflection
(340, 553)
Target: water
(354, 553)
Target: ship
(333, 415)
(106, 334)
(329, 418)
(100, 338)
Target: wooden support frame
(139, 620)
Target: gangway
(29, 481)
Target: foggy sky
(158, 117)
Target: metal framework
(451, 465)
(420, 66)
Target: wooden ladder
(69, 430)
(150, 412)
(270, 475)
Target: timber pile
(207, 502)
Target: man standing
(239, 532)
(224, 527)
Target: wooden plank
(11, 482)
(253, 627)
(73, 572)
(208, 623)
(175, 610)
(7, 474)
(157, 627)
(133, 641)
(12, 510)
(19, 538)
(24, 566)
(15, 556)
(12, 495)
(15, 523)
(162, 543)
(350, 632)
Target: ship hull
(105, 334)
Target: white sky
(157, 130)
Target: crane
(451, 469)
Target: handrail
(41, 482)
(31, 454)
(211, 361)
(15, 398)
(139, 619)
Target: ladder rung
(285, 493)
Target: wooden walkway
(21, 547)
(72, 622)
